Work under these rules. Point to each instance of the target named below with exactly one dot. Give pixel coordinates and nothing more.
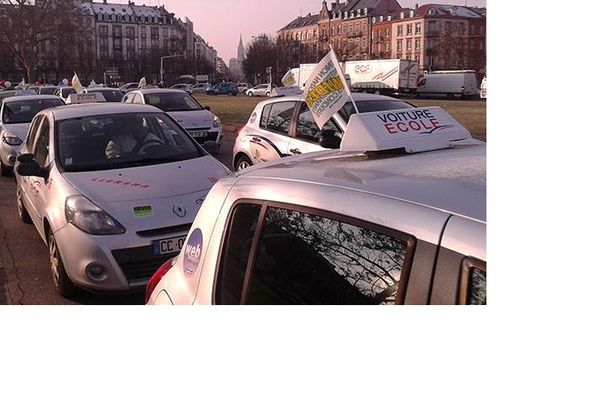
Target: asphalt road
(25, 276)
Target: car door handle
(256, 140)
(295, 151)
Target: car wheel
(250, 94)
(4, 170)
(242, 163)
(62, 282)
(23, 214)
(268, 94)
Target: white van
(450, 84)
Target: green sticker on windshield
(142, 211)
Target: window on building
(399, 30)
(387, 32)
(418, 28)
(432, 26)
(408, 44)
(409, 29)
(387, 47)
(417, 44)
(117, 30)
(350, 29)
(103, 29)
(399, 44)
(461, 28)
(130, 31)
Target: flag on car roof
(142, 82)
(326, 90)
(288, 79)
(76, 83)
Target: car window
(307, 128)
(120, 141)
(473, 282)
(312, 257)
(40, 151)
(172, 101)
(22, 112)
(45, 90)
(280, 117)
(33, 127)
(109, 95)
(242, 227)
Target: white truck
(373, 76)
(450, 84)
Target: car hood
(148, 182)
(193, 119)
(19, 130)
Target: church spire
(241, 53)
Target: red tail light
(160, 272)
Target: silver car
(112, 189)
(16, 114)
(202, 124)
(259, 90)
(284, 126)
(397, 215)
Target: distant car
(397, 215)
(110, 95)
(129, 87)
(126, 183)
(186, 87)
(200, 123)
(200, 88)
(259, 90)
(284, 126)
(242, 87)
(16, 114)
(64, 92)
(483, 88)
(6, 94)
(222, 88)
(46, 89)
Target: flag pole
(337, 65)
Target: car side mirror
(329, 140)
(207, 108)
(28, 166)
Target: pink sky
(220, 22)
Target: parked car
(200, 88)
(129, 87)
(186, 87)
(242, 87)
(259, 90)
(64, 92)
(284, 126)
(223, 88)
(200, 123)
(393, 217)
(46, 89)
(16, 114)
(126, 183)
(449, 84)
(110, 95)
(6, 94)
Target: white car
(284, 126)
(128, 87)
(112, 189)
(186, 87)
(396, 216)
(203, 125)
(259, 90)
(16, 114)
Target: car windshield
(104, 142)
(66, 92)
(47, 90)
(372, 105)
(172, 101)
(114, 96)
(22, 112)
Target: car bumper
(128, 260)
(8, 154)
(203, 135)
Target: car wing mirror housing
(28, 166)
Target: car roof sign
(413, 129)
(83, 98)
(286, 91)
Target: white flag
(142, 82)
(288, 79)
(76, 84)
(325, 90)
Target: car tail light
(160, 272)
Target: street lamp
(161, 65)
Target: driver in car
(136, 142)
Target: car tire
(242, 163)
(4, 170)
(23, 213)
(250, 94)
(268, 94)
(62, 282)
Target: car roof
(31, 97)
(451, 180)
(100, 88)
(156, 90)
(91, 109)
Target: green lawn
(235, 110)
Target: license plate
(166, 246)
(200, 134)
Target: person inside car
(135, 143)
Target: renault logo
(179, 211)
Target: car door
(25, 181)
(272, 139)
(307, 135)
(37, 186)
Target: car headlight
(11, 139)
(90, 218)
(216, 122)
